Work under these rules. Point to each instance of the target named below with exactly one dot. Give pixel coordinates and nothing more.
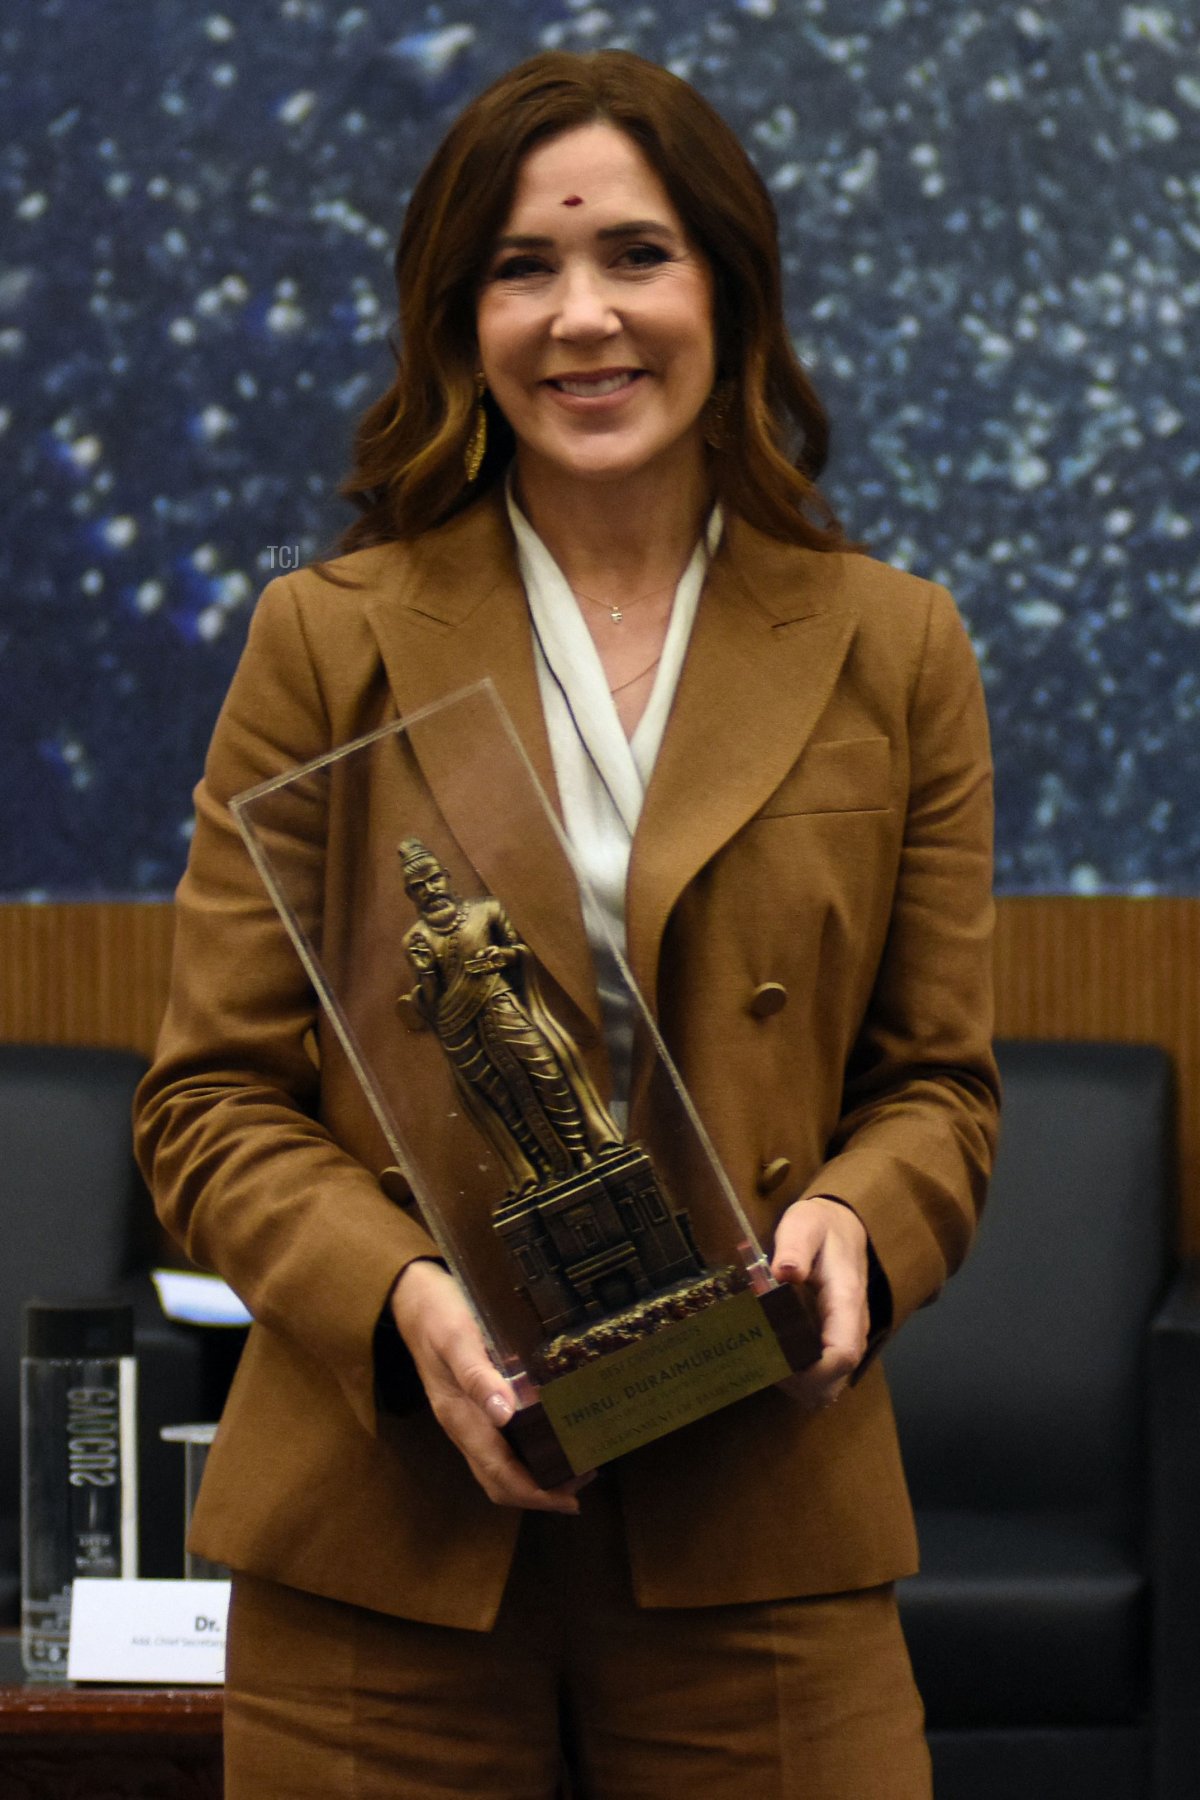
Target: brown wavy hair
(408, 473)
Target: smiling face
(595, 319)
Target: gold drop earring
(476, 448)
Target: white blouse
(602, 775)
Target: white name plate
(164, 1632)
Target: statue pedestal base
(596, 1242)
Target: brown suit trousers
(808, 1699)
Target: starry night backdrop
(991, 229)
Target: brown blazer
(819, 816)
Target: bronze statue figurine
(600, 1253)
(477, 989)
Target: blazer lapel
(455, 618)
(772, 631)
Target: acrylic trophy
(430, 891)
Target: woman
(592, 480)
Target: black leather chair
(1049, 1410)
(75, 1219)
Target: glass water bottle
(78, 1465)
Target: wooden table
(80, 1743)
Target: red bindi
(573, 200)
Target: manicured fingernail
(498, 1409)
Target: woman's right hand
(470, 1399)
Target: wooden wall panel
(1105, 967)
(92, 973)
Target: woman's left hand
(824, 1244)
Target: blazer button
(769, 997)
(773, 1174)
